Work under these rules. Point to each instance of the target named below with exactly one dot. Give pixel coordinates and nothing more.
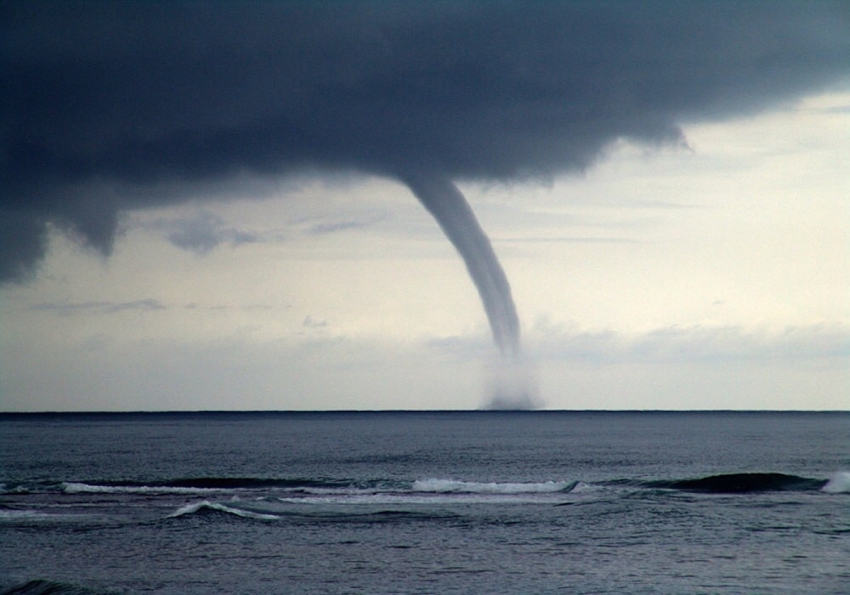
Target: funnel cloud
(449, 207)
(510, 383)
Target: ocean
(425, 502)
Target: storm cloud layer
(113, 106)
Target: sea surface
(425, 502)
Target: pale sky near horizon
(709, 276)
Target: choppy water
(454, 502)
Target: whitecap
(455, 486)
(71, 487)
(839, 483)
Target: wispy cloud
(364, 221)
(668, 345)
(201, 233)
(694, 344)
(572, 240)
(242, 307)
(309, 322)
(99, 307)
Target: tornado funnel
(451, 210)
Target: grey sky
(660, 179)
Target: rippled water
(454, 502)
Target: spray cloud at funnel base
(511, 382)
(512, 385)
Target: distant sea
(425, 502)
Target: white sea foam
(197, 506)
(451, 485)
(839, 483)
(85, 488)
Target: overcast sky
(205, 206)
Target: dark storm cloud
(111, 106)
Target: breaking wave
(369, 491)
(85, 488)
(838, 483)
(200, 485)
(466, 487)
(206, 506)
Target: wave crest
(206, 505)
(470, 487)
(72, 487)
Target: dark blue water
(469, 502)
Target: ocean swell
(742, 483)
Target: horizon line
(366, 411)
